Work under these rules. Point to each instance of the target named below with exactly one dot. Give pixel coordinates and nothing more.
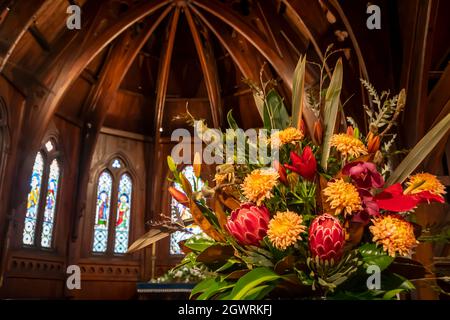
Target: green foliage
(257, 257)
(199, 243)
(387, 108)
(231, 122)
(331, 109)
(297, 91)
(245, 287)
(329, 275)
(372, 255)
(275, 113)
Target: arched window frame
(49, 155)
(116, 174)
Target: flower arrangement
(312, 222)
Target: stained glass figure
(50, 204)
(104, 187)
(123, 214)
(33, 201)
(179, 211)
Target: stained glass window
(178, 211)
(33, 201)
(123, 214)
(104, 187)
(50, 204)
(116, 164)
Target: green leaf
(422, 149)
(202, 286)
(198, 243)
(231, 122)
(331, 110)
(392, 293)
(297, 92)
(275, 113)
(372, 255)
(259, 102)
(259, 292)
(251, 280)
(231, 262)
(216, 287)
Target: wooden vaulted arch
(4, 137)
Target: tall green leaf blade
(422, 149)
(251, 280)
(231, 122)
(259, 103)
(297, 92)
(258, 292)
(331, 109)
(202, 286)
(276, 110)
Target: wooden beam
(294, 8)
(247, 66)
(439, 96)
(416, 65)
(122, 55)
(245, 63)
(209, 68)
(164, 71)
(223, 12)
(18, 19)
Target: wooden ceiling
(135, 64)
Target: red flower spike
(304, 164)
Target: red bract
(248, 224)
(281, 171)
(364, 174)
(304, 164)
(326, 238)
(393, 199)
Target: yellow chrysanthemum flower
(285, 229)
(424, 182)
(286, 136)
(394, 233)
(348, 145)
(342, 196)
(258, 185)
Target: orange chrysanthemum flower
(289, 135)
(258, 185)
(347, 145)
(342, 196)
(394, 233)
(424, 182)
(285, 229)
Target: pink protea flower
(248, 224)
(326, 238)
